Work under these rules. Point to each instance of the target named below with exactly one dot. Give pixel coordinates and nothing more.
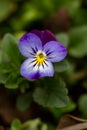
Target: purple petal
(46, 69)
(37, 32)
(29, 44)
(45, 36)
(32, 71)
(55, 51)
(28, 70)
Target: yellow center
(40, 57)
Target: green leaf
(23, 84)
(10, 49)
(63, 38)
(61, 66)
(78, 41)
(12, 81)
(83, 104)
(52, 94)
(70, 107)
(3, 56)
(57, 112)
(10, 60)
(24, 101)
(3, 78)
(16, 125)
(35, 124)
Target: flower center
(40, 57)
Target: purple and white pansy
(41, 49)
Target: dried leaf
(69, 122)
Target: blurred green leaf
(61, 66)
(0, 55)
(70, 107)
(83, 104)
(57, 112)
(78, 41)
(10, 60)
(9, 77)
(52, 94)
(30, 13)
(16, 125)
(23, 84)
(63, 38)
(24, 101)
(44, 127)
(5, 9)
(12, 81)
(73, 6)
(45, 6)
(3, 78)
(10, 49)
(80, 17)
(35, 124)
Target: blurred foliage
(78, 44)
(6, 7)
(35, 124)
(18, 17)
(83, 105)
(24, 101)
(52, 93)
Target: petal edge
(55, 51)
(29, 43)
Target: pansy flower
(40, 49)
